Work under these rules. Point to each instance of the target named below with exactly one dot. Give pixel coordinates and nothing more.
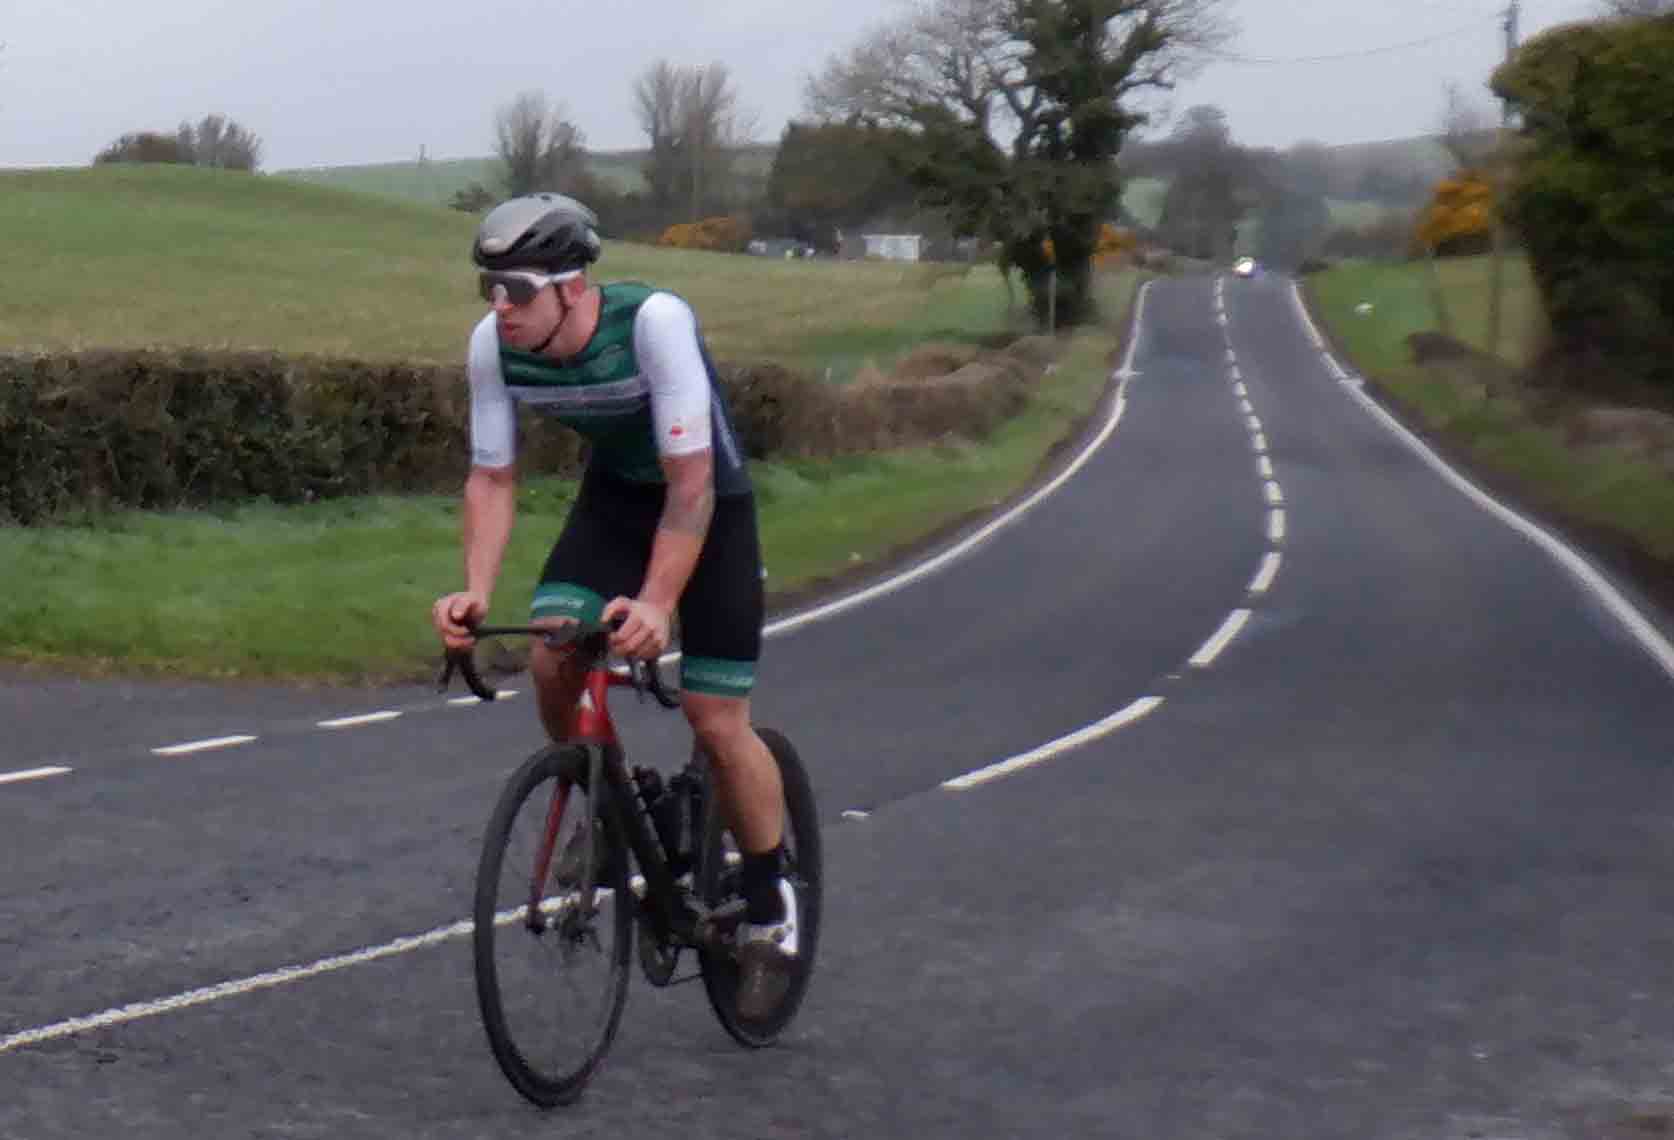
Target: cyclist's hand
(454, 615)
(644, 633)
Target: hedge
(163, 428)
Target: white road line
(1276, 525)
(930, 566)
(1265, 466)
(1231, 357)
(857, 815)
(1047, 751)
(1260, 442)
(1237, 376)
(1263, 581)
(1637, 625)
(364, 718)
(503, 694)
(1246, 407)
(202, 745)
(1275, 494)
(1255, 424)
(1240, 391)
(32, 774)
(1212, 648)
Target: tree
(1636, 9)
(691, 117)
(1019, 109)
(1211, 190)
(145, 146)
(832, 176)
(538, 148)
(219, 141)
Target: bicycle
(554, 889)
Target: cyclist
(664, 521)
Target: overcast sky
(334, 82)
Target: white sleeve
(666, 345)
(493, 412)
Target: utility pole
(1501, 183)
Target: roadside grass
(129, 256)
(340, 590)
(1596, 486)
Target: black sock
(763, 905)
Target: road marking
(501, 695)
(364, 718)
(1237, 377)
(1246, 407)
(853, 814)
(1255, 424)
(959, 550)
(1263, 581)
(202, 745)
(32, 774)
(1260, 442)
(1231, 357)
(1094, 731)
(1637, 625)
(1240, 391)
(1275, 494)
(1212, 648)
(1265, 466)
(1276, 525)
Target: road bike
(583, 850)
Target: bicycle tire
(502, 936)
(718, 883)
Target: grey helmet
(537, 231)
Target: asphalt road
(1358, 826)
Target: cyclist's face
(526, 325)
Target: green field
(1598, 488)
(434, 182)
(160, 255)
(128, 256)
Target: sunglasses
(518, 286)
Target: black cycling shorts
(605, 549)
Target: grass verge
(1610, 497)
(341, 590)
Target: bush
(145, 146)
(163, 428)
(1592, 189)
(721, 235)
(1459, 219)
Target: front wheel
(552, 928)
(718, 882)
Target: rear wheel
(718, 885)
(553, 929)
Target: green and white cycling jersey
(643, 387)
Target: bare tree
(1635, 9)
(219, 141)
(539, 148)
(693, 121)
(1469, 132)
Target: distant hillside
(436, 181)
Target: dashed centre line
(203, 745)
(33, 774)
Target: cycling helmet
(537, 231)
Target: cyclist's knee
(716, 721)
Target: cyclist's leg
(600, 554)
(720, 618)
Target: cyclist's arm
(666, 344)
(490, 505)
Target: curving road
(1256, 781)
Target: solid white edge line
(1264, 465)
(1637, 624)
(202, 745)
(1275, 494)
(1259, 442)
(1212, 648)
(363, 718)
(1240, 391)
(1276, 525)
(1255, 424)
(1263, 581)
(32, 774)
(930, 566)
(1047, 751)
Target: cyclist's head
(547, 232)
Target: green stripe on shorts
(563, 599)
(717, 678)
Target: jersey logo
(677, 431)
